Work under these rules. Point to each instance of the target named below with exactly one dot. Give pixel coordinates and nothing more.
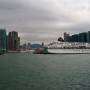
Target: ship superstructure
(66, 47)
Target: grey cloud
(37, 20)
(11, 10)
(80, 27)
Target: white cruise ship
(68, 48)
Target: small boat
(40, 51)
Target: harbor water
(24, 71)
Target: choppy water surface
(44, 72)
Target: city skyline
(10, 41)
(44, 20)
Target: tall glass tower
(13, 41)
(2, 39)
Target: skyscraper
(88, 37)
(82, 37)
(66, 37)
(3, 39)
(13, 41)
(18, 45)
(74, 38)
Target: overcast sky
(44, 20)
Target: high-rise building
(9, 40)
(18, 43)
(82, 37)
(3, 39)
(88, 37)
(66, 37)
(13, 41)
(74, 38)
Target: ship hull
(69, 51)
